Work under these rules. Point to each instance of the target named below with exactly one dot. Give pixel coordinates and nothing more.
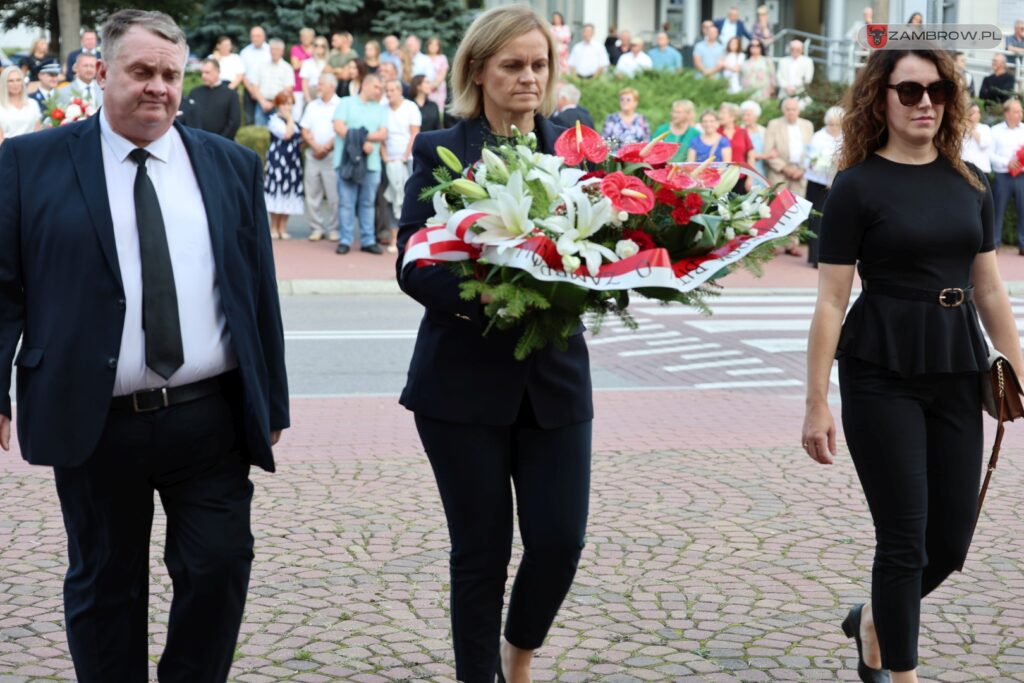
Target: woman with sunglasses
(917, 222)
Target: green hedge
(659, 89)
(256, 138)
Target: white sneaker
(316, 236)
(334, 235)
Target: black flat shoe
(851, 627)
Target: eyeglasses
(911, 93)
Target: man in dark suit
(88, 43)
(731, 26)
(152, 356)
(568, 110)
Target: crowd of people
(317, 97)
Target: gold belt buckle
(948, 291)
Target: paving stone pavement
(733, 562)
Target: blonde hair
(4, 75)
(684, 104)
(630, 91)
(488, 33)
(731, 107)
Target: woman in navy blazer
(487, 421)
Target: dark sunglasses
(911, 93)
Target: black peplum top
(914, 226)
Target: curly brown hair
(864, 125)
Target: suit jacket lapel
(85, 148)
(205, 168)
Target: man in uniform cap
(49, 79)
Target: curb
(390, 287)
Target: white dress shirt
(1005, 143)
(253, 58)
(586, 58)
(318, 119)
(205, 337)
(976, 151)
(230, 66)
(630, 64)
(796, 143)
(821, 157)
(273, 77)
(422, 65)
(728, 31)
(90, 92)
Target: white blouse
(976, 151)
(20, 120)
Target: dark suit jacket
(61, 289)
(997, 88)
(456, 374)
(569, 117)
(741, 30)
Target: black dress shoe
(342, 249)
(851, 627)
(372, 249)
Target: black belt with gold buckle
(950, 297)
(148, 400)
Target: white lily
(507, 222)
(442, 212)
(582, 219)
(555, 177)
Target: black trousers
(917, 445)
(816, 193)
(474, 466)
(190, 454)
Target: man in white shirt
(588, 58)
(421, 64)
(273, 77)
(320, 180)
(634, 61)
(254, 56)
(794, 73)
(1007, 141)
(151, 359)
(788, 137)
(84, 85)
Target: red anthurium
(627, 193)
(579, 143)
(653, 153)
(708, 178)
(671, 176)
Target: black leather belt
(148, 400)
(950, 297)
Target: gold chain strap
(999, 373)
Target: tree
(446, 19)
(46, 15)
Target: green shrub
(191, 80)
(658, 90)
(256, 138)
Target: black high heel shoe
(851, 627)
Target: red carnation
(653, 153)
(694, 202)
(667, 197)
(579, 143)
(682, 215)
(627, 193)
(57, 114)
(642, 239)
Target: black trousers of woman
(816, 193)
(476, 467)
(917, 445)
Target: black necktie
(164, 352)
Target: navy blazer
(741, 30)
(456, 373)
(61, 289)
